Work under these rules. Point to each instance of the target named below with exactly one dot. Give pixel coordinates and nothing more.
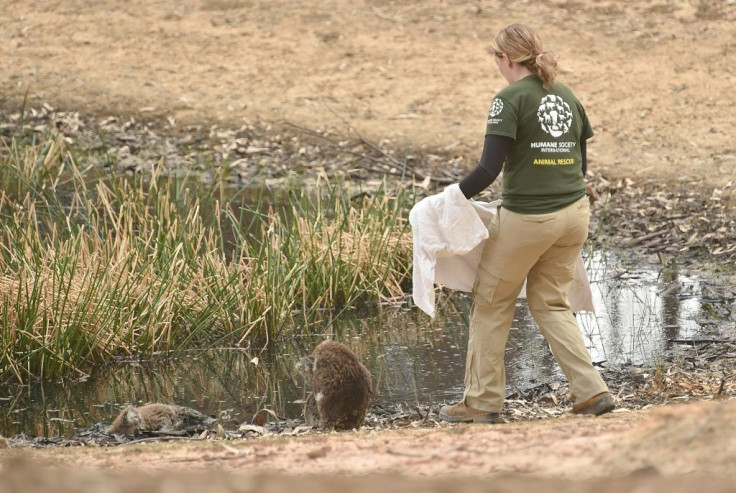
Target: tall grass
(95, 266)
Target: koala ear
(131, 414)
(306, 364)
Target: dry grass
(97, 266)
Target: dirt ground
(656, 77)
(682, 447)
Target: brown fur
(163, 418)
(341, 387)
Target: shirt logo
(496, 108)
(554, 114)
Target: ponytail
(522, 45)
(544, 66)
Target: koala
(162, 418)
(341, 387)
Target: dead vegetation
(685, 225)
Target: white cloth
(449, 233)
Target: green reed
(96, 266)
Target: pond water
(642, 311)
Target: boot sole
(481, 418)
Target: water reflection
(641, 311)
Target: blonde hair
(522, 45)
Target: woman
(536, 133)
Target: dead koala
(341, 387)
(159, 418)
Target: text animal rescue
(550, 147)
(554, 162)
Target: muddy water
(642, 311)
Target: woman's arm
(495, 150)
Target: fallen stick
(701, 341)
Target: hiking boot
(460, 413)
(596, 405)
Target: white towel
(449, 233)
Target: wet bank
(648, 322)
(663, 302)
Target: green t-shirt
(543, 171)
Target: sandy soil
(688, 447)
(654, 76)
(675, 439)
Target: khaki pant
(543, 249)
